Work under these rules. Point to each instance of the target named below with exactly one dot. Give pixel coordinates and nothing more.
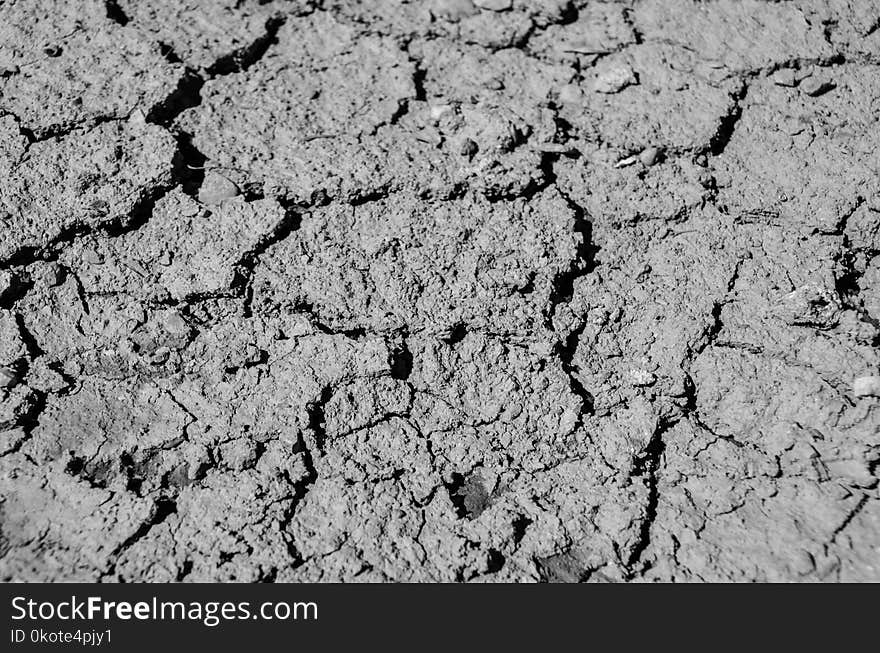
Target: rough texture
(455, 290)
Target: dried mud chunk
(425, 265)
(678, 104)
(13, 144)
(479, 424)
(391, 449)
(208, 34)
(815, 85)
(863, 228)
(215, 534)
(765, 402)
(74, 65)
(198, 249)
(377, 521)
(16, 401)
(739, 35)
(319, 84)
(500, 100)
(785, 473)
(364, 403)
(784, 282)
(104, 335)
(600, 28)
(58, 527)
(12, 347)
(244, 380)
(104, 420)
(216, 188)
(645, 308)
(614, 79)
(84, 180)
(338, 116)
(619, 196)
(801, 160)
(486, 403)
(851, 25)
(462, 20)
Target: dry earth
(448, 290)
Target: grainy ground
(481, 290)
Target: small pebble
(785, 77)
(615, 79)
(650, 156)
(815, 86)
(867, 386)
(216, 188)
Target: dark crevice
(583, 263)
(191, 174)
(186, 95)
(647, 465)
(520, 525)
(18, 287)
(317, 420)
(244, 58)
(244, 269)
(300, 488)
(96, 475)
(727, 126)
(848, 280)
(565, 351)
(494, 561)
(29, 419)
(628, 19)
(456, 334)
(184, 571)
(168, 53)
(717, 308)
(134, 219)
(163, 508)
(401, 362)
(115, 13)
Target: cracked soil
(440, 290)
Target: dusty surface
(480, 290)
